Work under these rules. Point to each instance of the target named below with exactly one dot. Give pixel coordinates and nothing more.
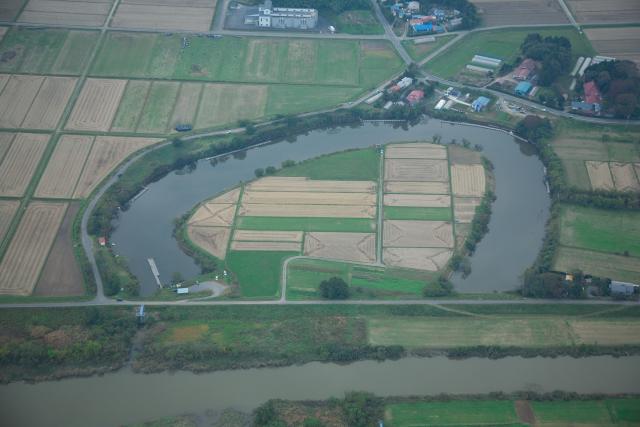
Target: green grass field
(362, 225)
(358, 22)
(601, 230)
(425, 214)
(157, 110)
(358, 165)
(46, 51)
(503, 44)
(588, 412)
(454, 413)
(258, 272)
(131, 105)
(420, 51)
(616, 267)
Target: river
(516, 227)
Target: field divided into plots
(616, 42)
(194, 15)
(519, 12)
(600, 12)
(66, 12)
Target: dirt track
(418, 200)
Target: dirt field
(97, 104)
(308, 211)
(228, 197)
(8, 209)
(107, 153)
(468, 180)
(193, 15)
(8, 11)
(619, 43)
(306, 185)
(64, 167)
(580, 149)
(359, 247)
(600, 175)
(624, 177)
(20, 163)
(430, 259)
(610, 11)
(417, 234)
(61, 275)
(462, 156)
(212, 239)
(265, 246)
(416, 151)
(49, 104)
(29, 247)
(515, 12)
(213, 214)
(464, 208)
(6, 138)
(416, 170)
(302, 198)
(186, 106)
(608, 332)
(222, 103)
(418, 200)
(64, 12)
(16, 99)
(268, 236)
(416, 187)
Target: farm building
(413, 6)
(426, 27)
(486, 61)
(477, 69)
(480, 103)
(592, 93)
(415, 96)
(523, 88)
(525, 70)
(284, 17)
(623, 288)
(585, 107)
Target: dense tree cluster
(553, 52)
(468, 11)
(334, 288)
(534, 128)
(619, 83)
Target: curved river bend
(516, 227)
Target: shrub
(334, 288)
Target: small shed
(480, 103)
(523, 88)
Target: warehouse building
(283, 17)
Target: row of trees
(619, 82)
(553, 52)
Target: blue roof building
(480, 103)
(427, 27)
(523, 88)
(585, 107)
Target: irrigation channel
(516, 228)
(124, 397)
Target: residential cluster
(591, 101)
(453, 99)
(436, 20)
(401, 93)
(283, 17)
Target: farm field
(421, 50)
(20, 162)
(46, 50)
(8, 209)
(612, 11)
(616, 42)
(9, 9)
(66, 12)
(97, 105)
(469, 413)
(358, 22)
(618, 267)
(502, 44)
(196, 15)
(519, 12)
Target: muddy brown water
(516, 227)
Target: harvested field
(20, 163)
(97, 104)
(610, 11)
(624, 177)
(268, 236)
(61, 275)
(107, 152)
(416, 151)
(417, 200)
(16, 99)
(306, 185)
(131, 105)
(468, 180)
(212, 214)
(64, 167)
(359, 247)
(609, 332)
(463, 156)
(580, 149)
(8, 209)
(158, 107)
(49, 104)
(416, 187)
(303, 198)
(214, 240)
(416, 170)
(600, 175)
(417, 234)
(518, 12)
(307, 211)
(620, 43)
(225, 103)
(265, 246)
(577, 175)
(193, 15)
(65, 12)
(429, 259)
(186, 106)
(8, 11)
(6, 138)
(464, 208)
(228, 197)
(29, 247)
(599, 264)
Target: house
(415, 96)
(623, 288)
(525, 70)
(523, 88)
(405, 82)
(480, 103)
(102, 241)
(592, 93)
(584, 107)
(426, 27)
(413, 6)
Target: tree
(334, 288)
(362, 409)
(259, 172)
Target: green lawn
(625, 410)
(362, 225)
(502, 44)
(425, 214)
(290, 99)
(420, 51)
(588, 412)
(458, 413)
(358, 22)
(258, 272)
(358, 165)
(46, 51)
(601, 230)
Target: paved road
(390, 35)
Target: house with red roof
(415, 96)
(592, 93)
(525, 69)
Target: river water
(125, 397)
(516, 227)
